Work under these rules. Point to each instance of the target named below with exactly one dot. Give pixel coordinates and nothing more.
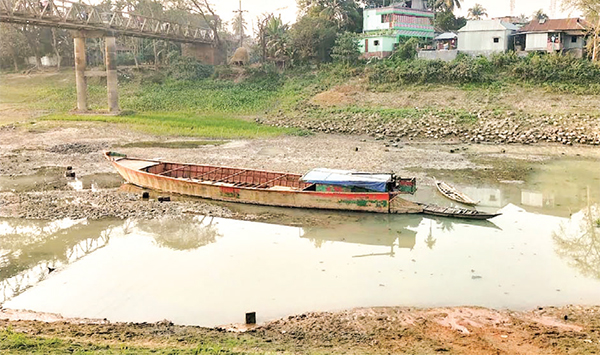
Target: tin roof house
(485, 37)
(383, 27)
(559, 35)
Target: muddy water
(209, 271)
(53, 178)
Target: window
(376, 42)
(573, 39)
(496, 39)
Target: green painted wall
(385, 43)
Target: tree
(272, 35)
(277, 38)
(343, 13)
(312, 38)
(539, 15)
(13, 46)
(346, 48)
(446, 5)
(446, 21)
(477, 12)
(591, 11)
(522, 18)
(239, 26)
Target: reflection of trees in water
(430, 241)
(578, 241)
(446, 224)
(33, 274)
(182, 235)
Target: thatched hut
(240, 57)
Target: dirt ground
(458, 330)
(35, 150)
(34, 158)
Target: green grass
(171, 145)
(12, 342)
(185, 124)
(214, 109)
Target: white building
(560, 35)
(485, 37)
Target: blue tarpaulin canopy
(373, 182)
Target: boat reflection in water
(391, 231)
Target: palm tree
(522, 18)
(447, 4)
(539, 15)
(477, 12)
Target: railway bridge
(88, 21)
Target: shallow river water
(543, 250)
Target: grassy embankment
(225, 106)
(206, 108)
(13, 342)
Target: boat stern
(398, 205)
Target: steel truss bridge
(78, 16)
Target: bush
(556, 68)
(408, 50)
(186, 68)
(346, 48)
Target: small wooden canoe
(271, 188)
(457, 212)
(452, 193)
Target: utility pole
(241, 23)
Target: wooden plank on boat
(199, 177)
(170, 171)
(232, 175)
(272, 180)
(137, 164)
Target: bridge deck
(79, 16)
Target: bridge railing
(78, 15)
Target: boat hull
(453, 194)
(351, 201)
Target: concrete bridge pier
(80, 81)
(110, 60)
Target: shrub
(408, 50)
(346, 48)
(186, 68)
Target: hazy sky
(287, 8)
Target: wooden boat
(453, 194)
(272, 188)
(457, 212)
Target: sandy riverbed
(24, 149)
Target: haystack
(240, 57)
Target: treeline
(535, 68)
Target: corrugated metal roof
(567, 24)
(447, 35)
(487, 25)
(407, 33)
